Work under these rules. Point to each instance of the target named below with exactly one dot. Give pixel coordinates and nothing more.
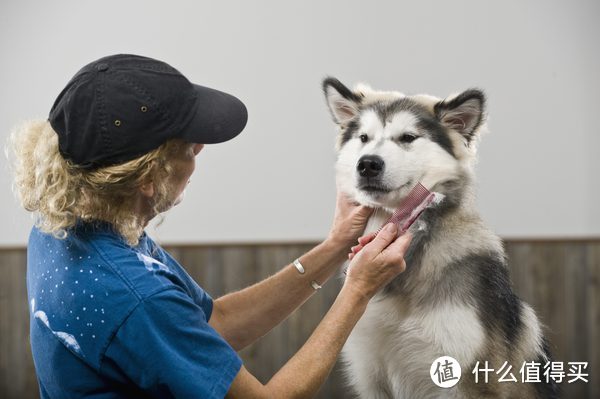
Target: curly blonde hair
(59, 192)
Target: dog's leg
(362, 355)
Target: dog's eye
(364, 138)
(408, 138)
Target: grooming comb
(407, 213)
(410, 208)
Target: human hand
(378, 263)
(362, 241)
(349, 221)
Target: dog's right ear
(343, 103)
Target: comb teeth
(416, 196)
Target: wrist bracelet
(316, 286)
(299, 266)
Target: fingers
(383, 239)
(363, 210)
(343, 200)
(354, 250)
(364, 240)
(398, 248)
(380, 261)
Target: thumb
(399, 246)
(384, 238)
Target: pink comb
(409, 210)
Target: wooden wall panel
(560, 279)
(17, 375)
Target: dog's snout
(370, 165)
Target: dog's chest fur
(415, 320)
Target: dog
(455, 297)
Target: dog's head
(388, 142)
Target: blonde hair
(59, 192)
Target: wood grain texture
(17, 375)
(560, 279)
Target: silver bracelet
(316, 286)
(299, 265)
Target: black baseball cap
(120, 107)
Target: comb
(407, 213)
(410, 208)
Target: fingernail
(390, 228)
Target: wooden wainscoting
(559, 278)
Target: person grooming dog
(114, 315)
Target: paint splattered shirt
(113, 321)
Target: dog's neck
(457, 197)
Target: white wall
(537, 60)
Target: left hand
(349, 221)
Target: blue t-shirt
(113, 321)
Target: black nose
(370, 165)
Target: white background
(538, 61)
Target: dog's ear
(463, 113)
(343, 103)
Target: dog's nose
(370, 165)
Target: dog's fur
(455, 297)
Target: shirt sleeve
(168, 349)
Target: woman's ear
(147, 189)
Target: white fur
(391, 348)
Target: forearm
(375, 266)
(303, 374)
(248, 314)
(306, 371)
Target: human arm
(244, 316)
(377, 264)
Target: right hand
(362, 241)
(378, 262)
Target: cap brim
(218, 117)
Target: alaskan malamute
(455, 297)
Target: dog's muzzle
(370, 166)
(370, 174)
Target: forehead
(403, 110)
(372, 122)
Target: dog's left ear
(463, 113)
(343, 103)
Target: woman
(113, 315)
